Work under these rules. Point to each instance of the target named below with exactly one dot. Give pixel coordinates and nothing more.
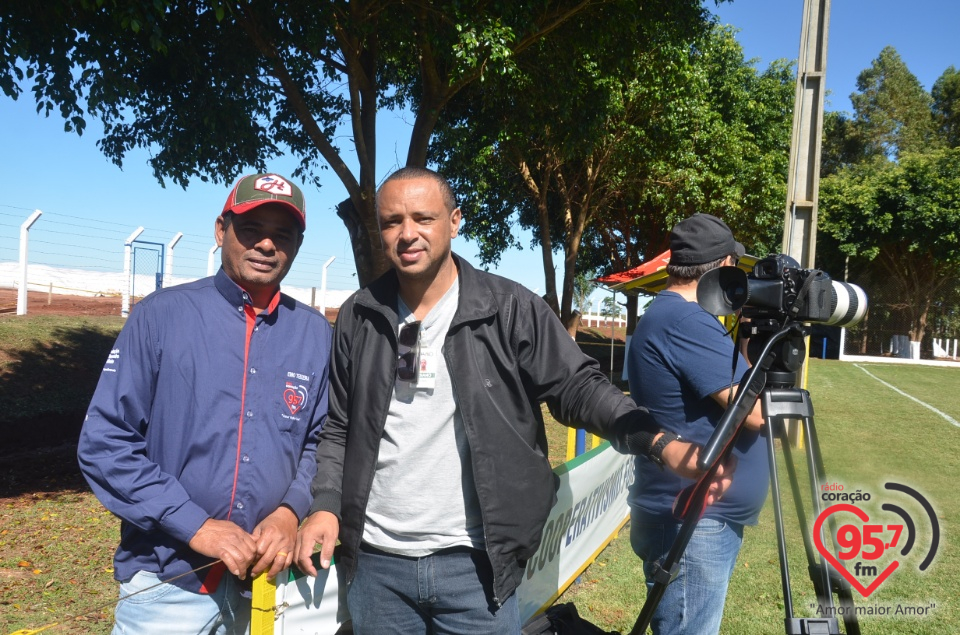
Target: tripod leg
(819, 576)
(780, 405)
(838, 584)
(778, 521)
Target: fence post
(323, 286)
(127, 274)
(213, 250)
(168, 263)
(24, 239)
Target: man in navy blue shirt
(201, 435)
(681, 370)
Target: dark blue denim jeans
(693, 603)
(450, 591)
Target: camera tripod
(772, 382)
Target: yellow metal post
(263, 612)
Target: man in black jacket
(432, 467)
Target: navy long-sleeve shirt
(204, 410)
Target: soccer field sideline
(947, 417)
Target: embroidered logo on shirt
(112, 359)
(294, 396)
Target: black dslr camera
(778, 288)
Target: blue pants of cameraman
(693, 603)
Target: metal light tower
(803, 180)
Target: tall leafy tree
(682, 125)
(214, 86)
(609, 307)
(893, 111)
(535, 149)
(717, 142)
(841, 146)
(904, 218)
(946, 106)
(890, 195)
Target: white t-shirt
(423, 498)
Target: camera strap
(734, 328)
(800, 302)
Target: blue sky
(90, 205)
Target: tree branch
(297, 102)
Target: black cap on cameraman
(700, 239)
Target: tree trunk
(918, 326)
(577, 214)
(365, 240)
(540, 190)
(546, 252)
(568, 316)
(571, 249)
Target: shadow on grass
(44, 391)
(41, 472)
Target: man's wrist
(285, 511)
(659, 444)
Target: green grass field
(56, 542)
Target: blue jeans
(169, 610)
(450, 591)
(693, 603)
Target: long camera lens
(848, 304)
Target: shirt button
(249, 413)
(253, 371)
(240, 308)
(239, 505)
(245, 459)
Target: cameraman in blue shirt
(680, 368)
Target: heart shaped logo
(294, 397)
(865, 591)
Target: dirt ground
(40, 303)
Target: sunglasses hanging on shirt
(408, 360)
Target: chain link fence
(147, 270)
